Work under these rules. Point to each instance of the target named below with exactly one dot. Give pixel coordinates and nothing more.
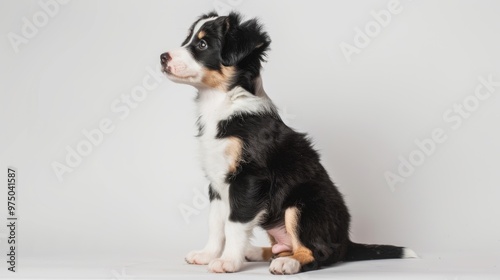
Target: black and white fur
(261, 172)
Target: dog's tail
(361, 252)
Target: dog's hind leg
(301, 255)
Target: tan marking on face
(234, 150)
(267, 253)
(301, 253)
(201, 34)
(218, 79)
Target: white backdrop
(371, 87)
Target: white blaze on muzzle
(183, 66)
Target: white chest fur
(214, 106)
(218, 156)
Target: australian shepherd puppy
(261, 172)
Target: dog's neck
(246, 81)
(207, 93)
(225, 103)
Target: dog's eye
(202, 45)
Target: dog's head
(220, 52)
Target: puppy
(261, 172)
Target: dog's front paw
(284, 265)
(223, 266)
(200, 257)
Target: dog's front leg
(237, 236)
(245, 213)
(215, 245)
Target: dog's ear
(242, 40)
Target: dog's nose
(165, 57)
